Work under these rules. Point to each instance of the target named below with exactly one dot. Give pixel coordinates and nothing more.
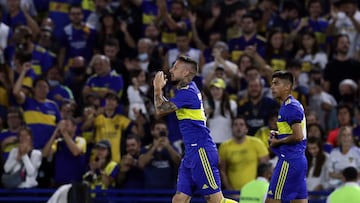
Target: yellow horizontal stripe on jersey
(148, 18)
(192, 114)
(207, 169)
(27, 82)
(59, 7)
(37, 69)
(284, 128)
(282, 178)
(36, 117)
(168, 37)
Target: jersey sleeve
(294, 114)
(184, 98)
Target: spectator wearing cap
(103, 169)
(68, 151)
(220, 52)
(222, 111)
(111, 126)
(350, 191)
(340, 67)
(256, 107)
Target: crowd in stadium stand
(76, 95)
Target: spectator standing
(68, 151)
(131, 176)
(159, 160)
(256, 107)
(223, 110)
(103, 169)
(77, 38)
(24, 158)
(240, 156)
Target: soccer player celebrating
(289, 143)
(199, 168)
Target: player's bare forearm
(162, 105)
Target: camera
(162, 134)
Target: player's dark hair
(190, 61)
(319, 159)
(350, 174)
(263, 168)
(284, 75)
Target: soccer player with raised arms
(199, 168)
(288, 181)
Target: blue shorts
(199, 172)
(288, 181)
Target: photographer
(159, 160)
(103, 170)
(68, 150)
(131, 176)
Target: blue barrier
(121, 196)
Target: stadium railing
(121, 196)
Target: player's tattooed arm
(162, 105)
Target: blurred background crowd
(76, 98)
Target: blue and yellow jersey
(111, 169)
(14, 21)
(238, 45)
(59, 13)
(168, 36)
(111, 129)
(6, 150)
(291, 112)
(69, 168)
(62, 90)
(191, 116)
(41, 60)
(150, 11)
(112, 81)
(29, 78)
(42, 118)
(319, 28)
(78, 42)
(278, 62)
